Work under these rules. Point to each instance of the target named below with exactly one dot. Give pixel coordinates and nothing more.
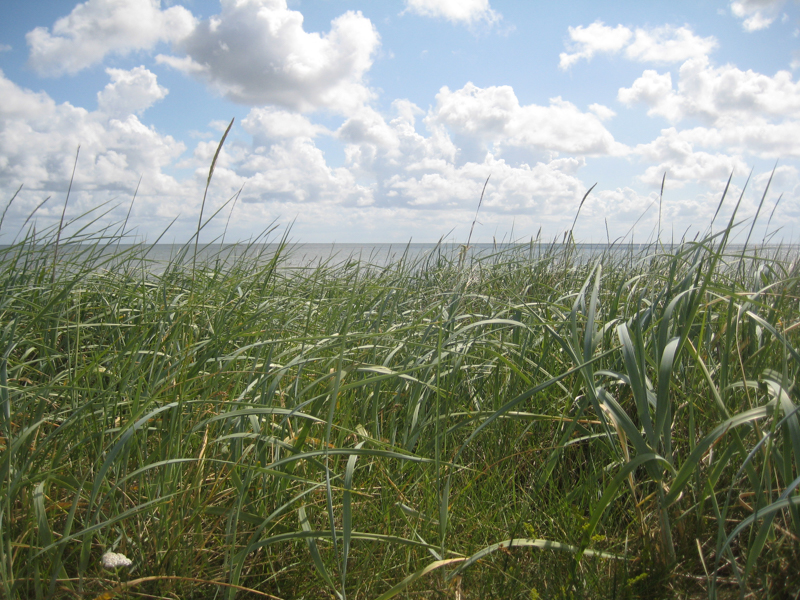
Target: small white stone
(112, 560)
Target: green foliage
(521, 425)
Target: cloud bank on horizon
(322, 142)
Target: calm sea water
(300, 255)
(155, 258)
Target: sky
(381, 121)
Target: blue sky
(380, 121)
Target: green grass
(521, 425)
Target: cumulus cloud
(668, 44)
(665, 44)
(655, 90)
(429, 168)
(422, 168)
(408, 168)
(542, 186)
(456, 11)
(367, 125)
(377, 149)
(275, 124)
(624, 203)
(588, 41)
(757, 14)
(282, 172)
(682, 213)
(494, 115)
(38, 141)
(130, 92)
(415, 168)
(603, 112)
(743, 113)
(295, 170)
(257, 52)
(99, 27)
(714, 93)
(675, 154)
(39, 138)
(757, 136)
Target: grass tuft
(531, 423)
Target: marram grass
(528, 424)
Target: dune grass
(525, 424)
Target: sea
(156, 258)
(314, 255)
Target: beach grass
(528, 423)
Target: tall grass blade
(63, 213)
(205, 193)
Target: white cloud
(675, 153)
(494, 115)
(543, 186)
(603, 112)
(5, 48)
(377, 149)
(219, 125)
(295, 171)
(656, 91)
(38, 141)
(367, 126)
(665, 44)
(756, 136)
(130, 92)
(757, 14)
(597, 37)
(272, 124)
(621, 214)
(786, 177)
(418, 170)
(257, 52)
(99, 27)
(423, 170)
(715, 93)
(463, 11)
(668, 44)
(744, 114)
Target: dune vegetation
(528, 423)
